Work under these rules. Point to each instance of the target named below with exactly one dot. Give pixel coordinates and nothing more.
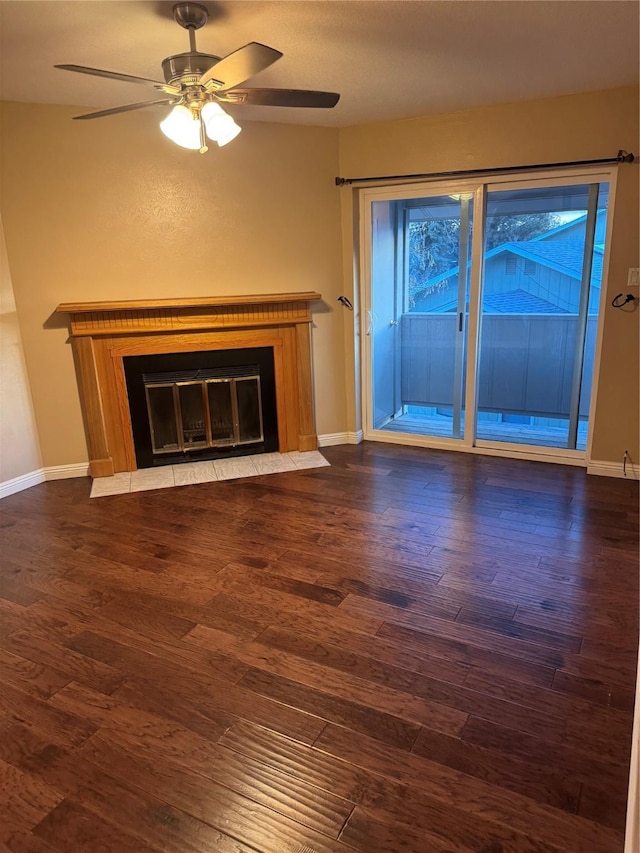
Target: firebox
(201, 405)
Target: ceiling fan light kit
(197, 83)
(185, 127)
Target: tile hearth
(189, 473)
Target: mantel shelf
(182, 302)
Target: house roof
(565, 256)
(518, 302)
(513, 302)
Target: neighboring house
(524, 372)
(539, 276)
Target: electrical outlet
(633, 278)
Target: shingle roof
(518, 302)
(566, 255)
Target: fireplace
(201, 405)
(231, 332)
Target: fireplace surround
(104, 334)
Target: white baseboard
(24, 481)
(614, 469)
(34, 478)
(66, 472)
(332, 438)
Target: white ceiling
(389, 59)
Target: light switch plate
(633, 279)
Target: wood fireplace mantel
(104, 333)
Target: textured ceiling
(389, 60)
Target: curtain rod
(622, 157)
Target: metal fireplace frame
(207, 427)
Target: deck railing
(526, 362)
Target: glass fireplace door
(203, 411)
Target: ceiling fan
(197, 83)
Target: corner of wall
(20, 463)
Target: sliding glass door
(541, 291)
(417, 319)
(490, 347)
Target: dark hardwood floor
(411, 651)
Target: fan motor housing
(188, 67)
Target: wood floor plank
(220, 706)
(179, 668)
(12, 589)
(584, 764)
(464, 650)
(126, 727)
(266, 607)
(12, 616)
(367, 657)
(69, 825)
(526, 776)
(387, 727)
(252, 779)
(16, 839)
(61, 726)
(207, 801)
(40, 649)
(364, 832)
(135, 812)
(594, 690)
(572, 709)
(26, 796)
(550, 818)
(423, 687)
(510, 628)
(34, 678)
(432, 813)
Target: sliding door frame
(390, 194)
(480, 189)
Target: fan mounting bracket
(191, 16)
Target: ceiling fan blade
(127, 107)
(280, 98)
(115, 75)
(238, 66)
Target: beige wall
(110, 209)
(576, 127)
(19, 450)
